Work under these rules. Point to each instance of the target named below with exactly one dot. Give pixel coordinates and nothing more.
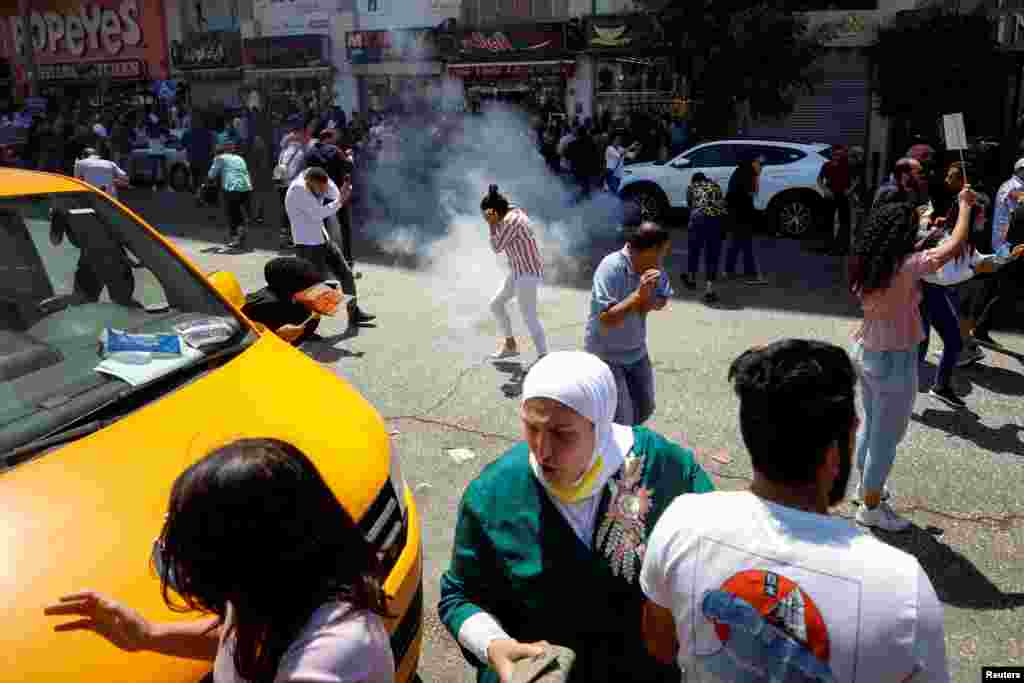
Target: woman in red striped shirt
(511, 233)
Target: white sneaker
(882, 517)
(859, 496)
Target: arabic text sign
(956, 135)
(514, 41)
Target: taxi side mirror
(227, 286)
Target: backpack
(280, 173)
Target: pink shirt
(892, 316)
(515, 237)
(337, 645)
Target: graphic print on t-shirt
(767, 623)
(759, 620)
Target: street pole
(31, 74)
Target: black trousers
(840, 203)
(327, 262)
(286, 223)
(238, 209)
(345, 221)
(96, 271)
(1006, 285)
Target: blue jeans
(705, 235)
(742, 241)
(635, 385)
(939, 306)
(613, 181)
(889, 389)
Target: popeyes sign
(63, 33)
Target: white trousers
(523, 289)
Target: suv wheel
(794, 217)
(650, 201)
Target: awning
(211, 74)
(564, 67)
(300, 72)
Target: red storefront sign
(520, 70)
(119, 39)
(532, 42)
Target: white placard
(956, 136)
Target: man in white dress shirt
(99, 172)
(311, 198)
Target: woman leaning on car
(256, 539)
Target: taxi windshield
(76, 271)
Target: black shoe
(947, 396)
(983, 336)
(359, 316)
(688, 281)
(710, 298)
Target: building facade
(394, 55)
(206, 49)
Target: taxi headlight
(396, 478)
(385, 524)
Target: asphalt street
(958, 475)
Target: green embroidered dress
(518, 559)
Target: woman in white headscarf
(551, 536)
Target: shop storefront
(210, 67)
(634, 70)
(395, 70)
(99, 54)
(289, 73)
(525, 65)
(839, 109)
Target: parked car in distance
(789, 179)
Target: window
(777, 156)
(373, 6)
(714, 156)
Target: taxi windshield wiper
(23, 453)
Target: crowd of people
(617, 545)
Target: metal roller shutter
(836, 114)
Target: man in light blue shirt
(629, 284)
(1007, 199)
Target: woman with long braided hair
(885, 274)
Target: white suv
(789, 179)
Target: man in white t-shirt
(99, 172)
(765, 585)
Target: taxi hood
(85, 515)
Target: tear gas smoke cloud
(424, 197)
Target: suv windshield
(73, 266)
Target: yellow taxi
(90, 442)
